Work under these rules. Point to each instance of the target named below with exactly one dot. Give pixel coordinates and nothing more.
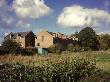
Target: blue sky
(66, 16)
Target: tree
(104, 41)
(88, 38)
(10, 46)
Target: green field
(102, 58)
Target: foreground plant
(59, 71)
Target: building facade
(45, 39)
(42, 39)
(25, 39)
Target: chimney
(17, 36)
(10, 35)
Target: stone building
(45, 39)
(42, 39)
(25, 39)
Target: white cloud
(23, 24)
(6, 20)
(78, 16)
(31, 8)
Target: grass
(102, 58)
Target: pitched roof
(51, 33)
(14, 35)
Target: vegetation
(36, 68)
(88, 38)
(104, 41)
(59, 71)
(27, 51)
(88, 41)
(73, 48)
(81, 66)
(56, 48)
(10, 46)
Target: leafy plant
(10, 46)
(60, 71)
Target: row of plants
(76, 70)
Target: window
(42, 38)
(38, 44)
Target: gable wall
(43, 40)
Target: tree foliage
(73, 48)
(88, 38)
(56, 48)
(104, 41)
(10, 46)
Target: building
(45, 39)
(42, 39)
(26, 39)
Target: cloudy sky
(66, 16)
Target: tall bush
(10, 46)
(56, 48)
(104, 40)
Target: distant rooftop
(14, 35)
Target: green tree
(88, 39)
(104, 41)
(10, 46)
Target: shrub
(70, 47)
(73, 48)
(85, 49)
(60, 71)
(104, 41)
(77, 48)
(52, 49)
(27, 51)
(2, 52)
(100, 76)
(10, 46)
(56, 48)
